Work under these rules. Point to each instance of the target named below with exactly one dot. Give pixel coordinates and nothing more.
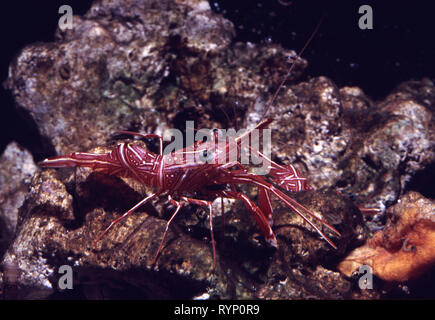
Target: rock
(344, 140)
(16, 169)
(136, 71)
(405, 249)
(400, 144)
(320, 284)
(289, 275)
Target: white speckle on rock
(317, 147)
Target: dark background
(399, 47)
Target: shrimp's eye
(355, 274)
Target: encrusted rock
(344, 140)
(321, 283)
(399, 142)
(132, 68)
(16, 169)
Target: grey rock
(16, 170)
(345, 141)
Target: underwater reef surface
(149, 66)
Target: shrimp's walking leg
(259, 216)
(142, 202)
(210, 210)
(223, 216)
(265, 204)
(240, 177)
(178, 207)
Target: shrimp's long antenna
(292, 67)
